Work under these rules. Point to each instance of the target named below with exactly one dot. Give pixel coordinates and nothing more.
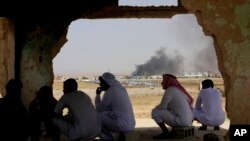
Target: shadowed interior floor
(146, 134)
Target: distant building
(156, 76)
(197, 74)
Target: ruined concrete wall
(36, 63)
(228, 22)
(7, 53)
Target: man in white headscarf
(115, 108)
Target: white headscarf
(110, 79)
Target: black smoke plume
(162, 62)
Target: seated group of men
(112, 112)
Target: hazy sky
(122, 46)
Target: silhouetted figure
(14, 117)
(175, 108)
(41, 111)
(82, 120)
(115, 108)
(208, 107)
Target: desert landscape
(145, 98)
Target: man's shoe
(162, 136)
(203, 127)
(216, 127)
(121, 137)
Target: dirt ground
(146, 129)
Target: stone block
(183, 132)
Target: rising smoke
(206, 61)
(203, 60)
(162, 62)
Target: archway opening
(138, 51)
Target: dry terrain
(144, 98)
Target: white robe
(208, 107)
(86, 121)
(174, 109)
(116, 111)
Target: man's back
(121, 106)
(177, 102)
(83, 113)
(211, 103)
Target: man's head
(13, 88)
(70, 85)
(106, 80)
(207, 84)
(45, 94)
(168, 80)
